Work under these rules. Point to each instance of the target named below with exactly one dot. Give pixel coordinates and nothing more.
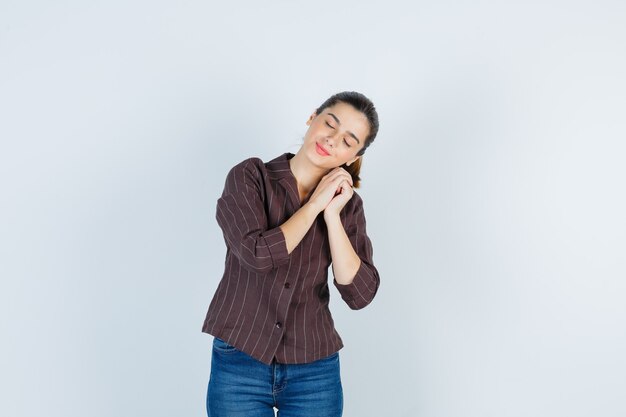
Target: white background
(494, 195)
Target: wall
(494, 197)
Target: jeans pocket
(332, 359)
(222, 346)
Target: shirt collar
(278, 168)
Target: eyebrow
(350, 133)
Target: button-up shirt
(271, 304)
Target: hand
(336, 183)
(339, 201)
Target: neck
(307, 175)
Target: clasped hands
(332, 192)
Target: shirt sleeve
(242, 217)
(361, 291)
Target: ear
(311, 117)
(354, 160)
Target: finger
(340, 179)
(348, 178)
(337, 170)
(341, 174)
(340, 170)
(344, 187)
(347, 186)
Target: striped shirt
(271, 304)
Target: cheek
(346, 155)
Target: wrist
(312, 207)
(330, 215)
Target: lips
(320, 150)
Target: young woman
(284, 223)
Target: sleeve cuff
(360, 292)
(276, 245)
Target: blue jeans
(241, 386)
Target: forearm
(345, 261)
(298, 224)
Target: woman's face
(335, 136)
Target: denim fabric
(240, 386)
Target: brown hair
(365, 106)
(354, 169)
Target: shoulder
(357, 199)
(356, 202)
(255, 167)
(249, 171)
(352, 210)
(249, 167)
(252, 164)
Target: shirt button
(279, 325)
(287, 285)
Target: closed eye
(347, 144)
(329, 125)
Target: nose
(330, 139)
